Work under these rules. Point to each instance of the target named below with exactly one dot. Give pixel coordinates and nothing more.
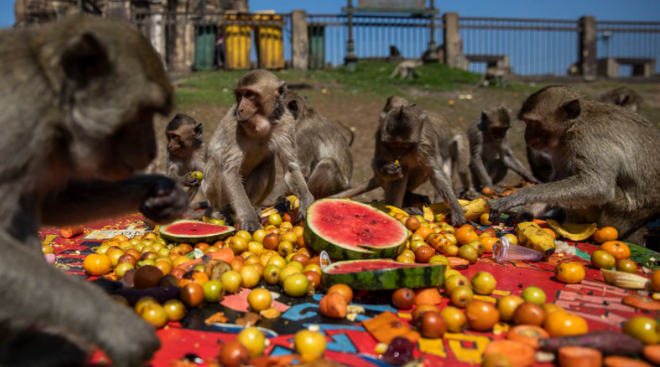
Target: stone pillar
(350, 60)
(452, 40)
(299, 40)
(157, 27)
(587, 42)
(431, 56)
(119, 9)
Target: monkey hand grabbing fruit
(605, 162)
(78, 99)
(242, 151)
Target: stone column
(587, 56)
(119, 9)
(299, 40)
(452, 39)
(157, 31)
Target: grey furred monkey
(605, 160)
(241, 154)
(78, 96)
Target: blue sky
(648, 10)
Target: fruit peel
(573, 231)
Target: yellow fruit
(570, 272)
(253, 340)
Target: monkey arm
(293, 176)
(578, 191)
(514, 164)
(83, 201)
(281, 189)
(443, 187)
(364, 187)
(477, 163)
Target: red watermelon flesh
(195, 229)
(357, 227)
(358, 266)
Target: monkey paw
(191, 182)
(125, 338)
(166, 201)
(250, 224)
(499, 208)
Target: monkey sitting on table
(78, 99)
(409, 150)
(605, 160)
(186, 153)
(492, 155)
(241, 154)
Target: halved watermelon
(348, 230)
(194, 231)
(383, 274)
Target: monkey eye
(249, 94)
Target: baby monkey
(186, 153)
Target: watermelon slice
(348, 230)
(194, 231)
(383, 274)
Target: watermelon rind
(223, 231)
(338, 251)
(390, 276)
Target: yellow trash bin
(238, 41)
(270, 41)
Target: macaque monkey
(411, 147)
(323, 153)
(407, 69)
(241, 154)
(498, 74)
(624, 97)
(78, 100)
(540, 162)
(605, 160)
(186, 152)
(492, 156)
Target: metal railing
(533, 46)
(629, 40)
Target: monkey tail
(350, 132)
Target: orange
(564, 324)
(655, 280)
(344, 290)
(570, 272)
(96, 264)
(424, 231)
(427, 296)
(550, 232)
(488, 243)
(466, 234)
(617, 249)
(606, 234)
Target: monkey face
(115, 86)
(400, 149)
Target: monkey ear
(294, 108)
(199, 128)
(85, 59)
(622, 99)
(572, 109)
(383, 115)
(281, 89)
(484, 115)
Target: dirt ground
(359, 108)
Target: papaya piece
(458, 263)
(641, 302)
(387, 326)
(618, 361)
(224, 254)
(528, 334)
(520, 354)
(579, 357)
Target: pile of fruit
(164, 273)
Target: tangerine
(570, 272)
(424, 231)
(482, 316)
(344, 290)
(606, 234)
(466, 234)
(488, 243)
(617, 249)
(97, 265)
(564, 324)
(655, 280)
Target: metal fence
(533, 46)
(373, 35)
(630, 40)
(218, 41)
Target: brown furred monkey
(186, 152)
(492, 156)
(605, 159)
(78, 99)
(241, 154)
(323, 153)
(540, 162)
(624, 97)
(408, 152)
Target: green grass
(370, 79)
